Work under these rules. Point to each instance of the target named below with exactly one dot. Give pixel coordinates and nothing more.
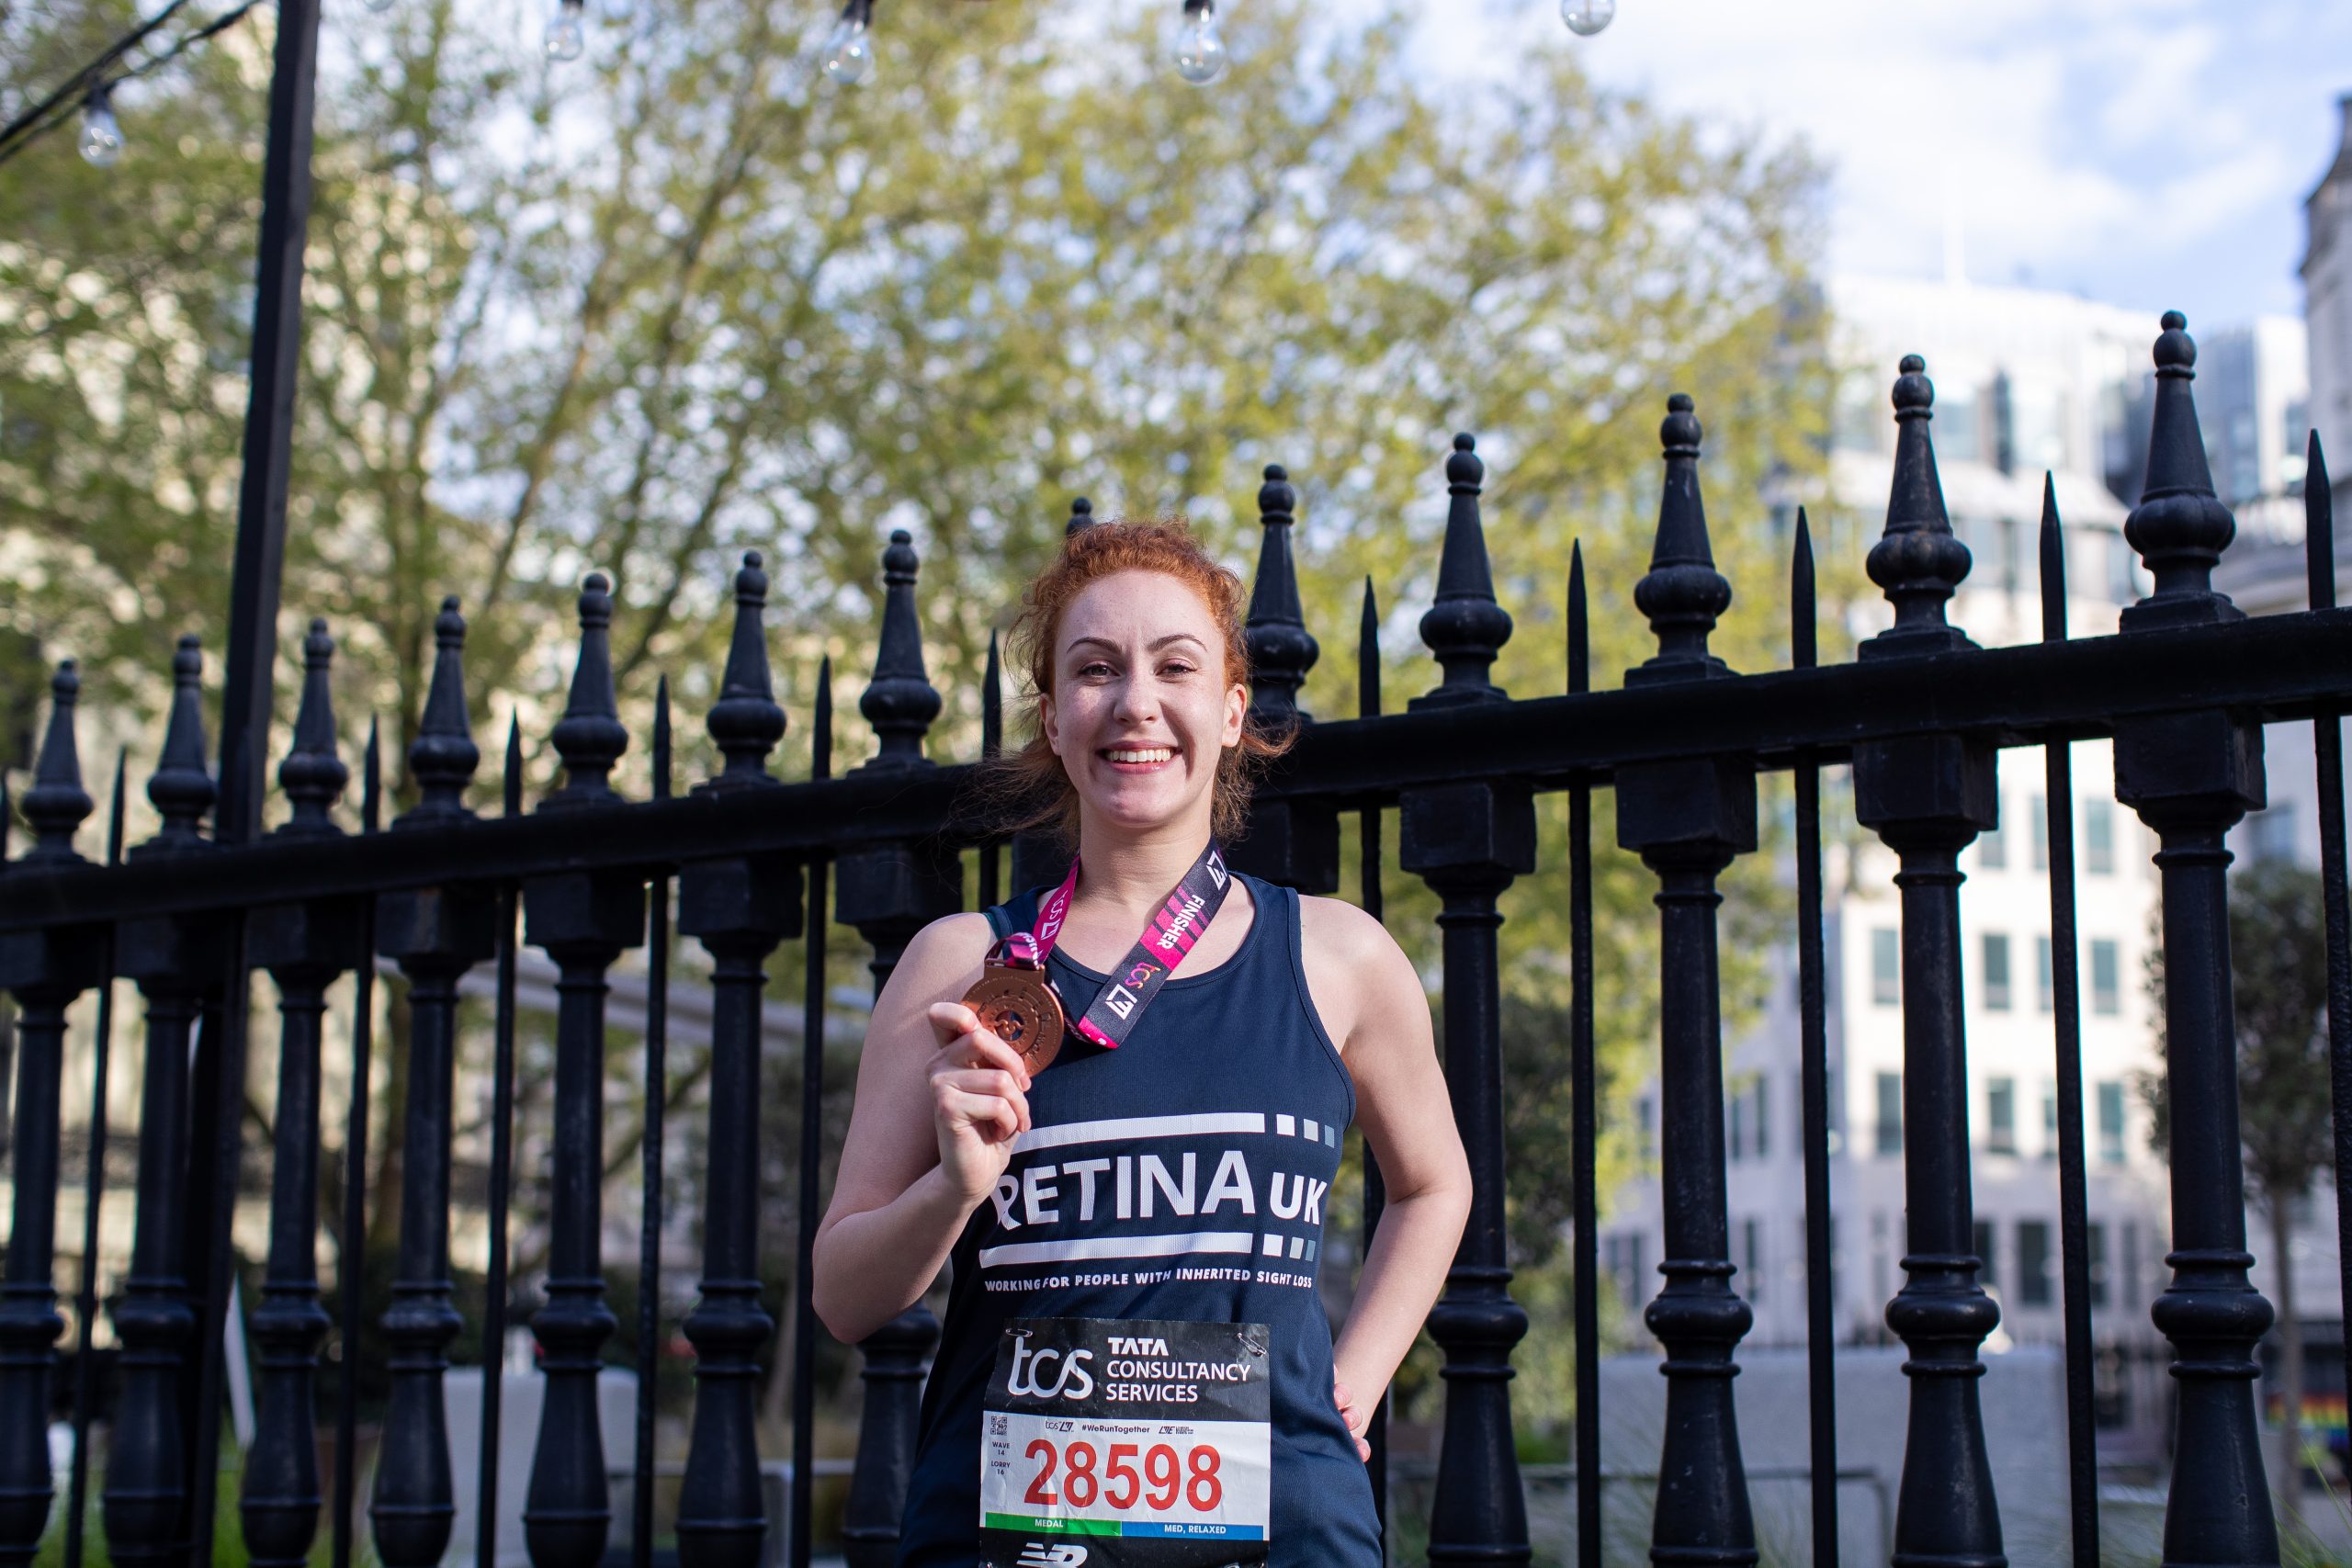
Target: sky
(2149, 153)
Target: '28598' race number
(1146, 1442)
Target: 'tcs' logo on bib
(1070, 1379)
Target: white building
(2327, 298)
(2025, 381)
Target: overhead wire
(97, 77)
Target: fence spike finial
(56, 803)
(2054, 564)
(2319, 525)
(746, 721)
(590, 737)
(313, 775)
(1281, 650)
(180, 787)
(1579, 623)
(2181, 526)
(900, 701)
(1465, 627)
(1804, 650)
(1919, 562)
(1082, 517)
(443, 756)
(1682, 593)
(992, 700)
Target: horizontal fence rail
(742, 861)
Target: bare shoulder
(1337, 935)
(939, 963)
(1354, 969)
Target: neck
(1132, 868)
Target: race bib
(1111, 1442)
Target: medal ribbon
(1164, 943)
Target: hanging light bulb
(101, 137)
(1200, 48)
(377, 5)
(564, 39)
(849, 51)
(1585, 17)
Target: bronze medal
(1017, 1005)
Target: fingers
(987, 1083)
(964, 1044)
(984, 1113)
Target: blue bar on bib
(1131, 1528)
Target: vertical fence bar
(2191, 776)
(2327, 749)
(739, 909)
(812, 1129)
(435, 935)
(1469, 842)
(174, 960)
(1375, 1192)
(1813, 1045)
(648, 1239)
(94, 1182)
(992, 746)
(1583, 1132)
(502, 1176)
(1688, 820)
(46, 972)
(351, 1262)
(1927, 797)
(889, 895)
(2073, 1188)
(304, 948)
(584, 921)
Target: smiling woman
(1134, 1351)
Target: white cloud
(2124, 147)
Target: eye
(1176, 667)
(1092, 668)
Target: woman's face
(1140, 710)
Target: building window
(2045, 987)
(1996, 971)
(1763, 1118)
(1986, 1273)
(2270, 834)
(2049, 1119)
(1752, 1247)
(1645, 1137)
(2110, 1123)
(2039, 809)
(2130, 1294)
(2107, 977)
(2034, 1263)
(2098, 838)
(1736, 1110)
(2001, 1115)
(1992, 855)
(1886, 967)
(2096, 1251)
(1890, 1114)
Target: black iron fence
(2183, 689)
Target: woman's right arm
(939, 1102)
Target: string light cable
(89, 90)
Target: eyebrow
(1155, 646)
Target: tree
(680, 298)
(2278, 958)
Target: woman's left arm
(1374, 1005)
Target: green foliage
(2279, 961)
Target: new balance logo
(1037, 1554)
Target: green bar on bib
(1050, 1526)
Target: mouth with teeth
(1136, 759)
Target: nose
(1138, 699)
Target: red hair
(1032, 782)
